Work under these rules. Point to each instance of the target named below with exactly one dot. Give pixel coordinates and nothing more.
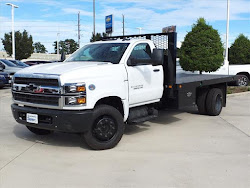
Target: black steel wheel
(214, 102)
(39, 131)
(242, 80)
(107, 128)
(104, 128)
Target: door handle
(156, 70)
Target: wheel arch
(113, 101)
(221, 86)
(244, 73)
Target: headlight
(74, 88)
(75, 94)
(79, 100)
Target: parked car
(242, 73)
(19, 63)
(4, 78)
(9, 67)
(36, 62)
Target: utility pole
(79, 31)
(226, 62)
(13, 30)
(94, 17)
(123, 25)
(58, 45)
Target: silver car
(9, 67)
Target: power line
(79, 30)
(39, 26)
(123, 25)
(46, 21)
(94, 17)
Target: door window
(141, 52)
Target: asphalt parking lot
(179, 149)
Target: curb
(238, 94)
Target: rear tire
(39, 131)
(214, 102)
(107, 128)
(201, 102)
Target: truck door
(145, 80)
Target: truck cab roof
(130, 41)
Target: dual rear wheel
(210, 102)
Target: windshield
(19, 63)
(103, 52)
(8, 63)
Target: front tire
(39, 131)
(107, 128)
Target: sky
(46, 20)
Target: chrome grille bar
(33, 91)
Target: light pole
(94, 17)
(140, 28)
(13, 30)
(226, 62)
(57, 45)
(123, 25)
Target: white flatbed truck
(108, 84)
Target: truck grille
(42, 91)
(37, 81)
(37, 99)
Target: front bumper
(56, 120)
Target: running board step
(143, 119)
(141, 114)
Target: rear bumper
(56, 120)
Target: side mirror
(158, 57)
(2, 66)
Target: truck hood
(59, 68)
(74, 72)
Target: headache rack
(167, 42)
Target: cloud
(152, 16)
(75, 11)
(42, 31)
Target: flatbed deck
(189, 86)
(206, 79)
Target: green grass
(236, 89)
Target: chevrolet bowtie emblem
(34, 88)
(108, 19)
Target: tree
(24, 44)
(239, 52)
(39, 48)
(202, 49)
(67, 46)
(97, 37)
(178, 52)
